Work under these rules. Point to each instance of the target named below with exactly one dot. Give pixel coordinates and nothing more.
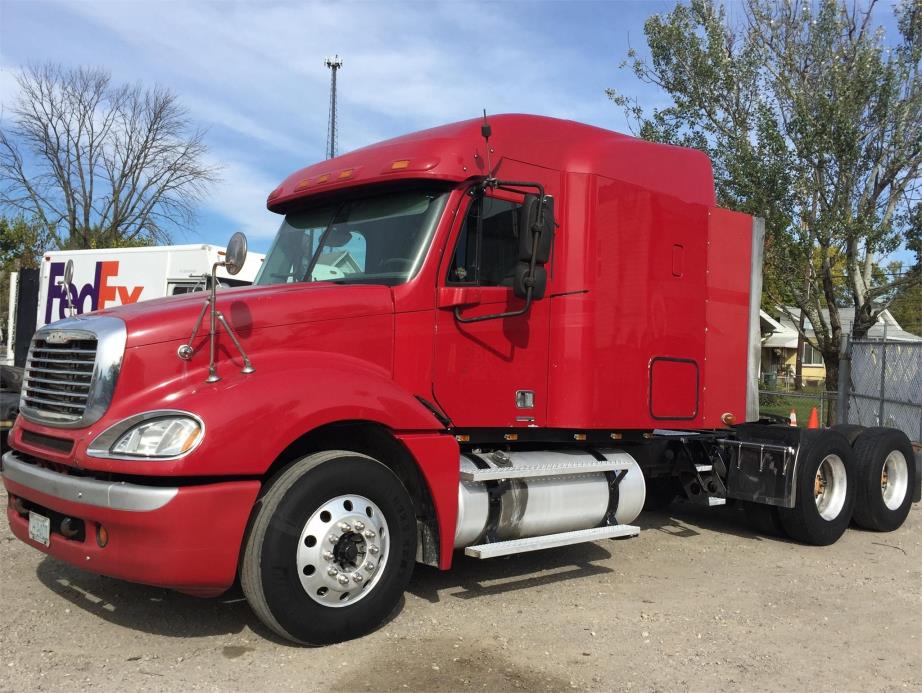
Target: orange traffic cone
(793, 417)
(814, 421)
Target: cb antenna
(485, 132)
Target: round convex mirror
(69, 269)
(236, 253)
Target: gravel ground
(697, 602)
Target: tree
(20, 247)
(97, 164)
(811, 121)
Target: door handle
(457, 296)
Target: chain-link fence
(885, 387)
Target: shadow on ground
(164, 612)
(151, 609)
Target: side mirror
(533, 226)
(523, 277)
(536, 239)
(68, 274)
(236, 253)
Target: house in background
(779, 345)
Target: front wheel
(331, 548)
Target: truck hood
(250, 308)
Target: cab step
(523, 472)
(550, 541)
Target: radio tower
(334, 64)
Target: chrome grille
(59, 377)
(72, 369)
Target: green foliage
(21, 244)
(813, 122)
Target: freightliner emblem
(57, 338)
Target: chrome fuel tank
(537, 505)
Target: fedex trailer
(109, 277)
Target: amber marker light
(323, 178)
(463, 438)
(190, 440)
(347, 173)
(728, 418)
(102, 536)
(511, 436)
(400, 164)
(305, 182)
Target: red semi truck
(481, 338)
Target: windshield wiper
(308, 276)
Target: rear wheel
(885, 479)
(824, 492)
(850, 431)
(331, 548)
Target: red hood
(251, 308)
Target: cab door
(491, 373)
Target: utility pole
(334, 64)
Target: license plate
(39, 528)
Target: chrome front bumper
(116, 495)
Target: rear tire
(850, 431)
(886, 476)
(331, 548)
(824, 492)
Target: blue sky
(253, 73)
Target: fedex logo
(101, 292)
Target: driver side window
(487, 259)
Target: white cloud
(241, 196)
(253, 74)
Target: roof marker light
(400, 164)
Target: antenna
(485, 132)
(334, 64)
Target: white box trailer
(110, 277)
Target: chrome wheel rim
(829, 487)
(342, 551)
(894, 480)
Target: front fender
(251, 418)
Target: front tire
(331, 548)
(825, 492)
(885, 479)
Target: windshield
(376, 239)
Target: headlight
(151, 435)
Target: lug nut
(372, 549)
(333, 538)
(369, 534)
(344, 527)
(358, 526)
(327, 555)
(342, 579)
(356, 576)
(369, 566)
(332, 572)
